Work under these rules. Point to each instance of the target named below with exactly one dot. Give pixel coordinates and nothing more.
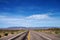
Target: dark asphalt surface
(21, 36)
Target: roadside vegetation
(50, 30)
(9, 32)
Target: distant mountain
(13, 28)
(26, 28)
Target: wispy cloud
(39, 16)
(29, 21)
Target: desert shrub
(6, 34)
(12, 32)
(56, 32)
(0, 36)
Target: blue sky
(29, 13)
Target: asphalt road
(42, 36)
(35, 36)
(20, 36)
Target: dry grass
(9, 32)
(50, 30)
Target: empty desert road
(42, 36)
(20, 36)
(32, 35)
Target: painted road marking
(45, 37)
(28, 36)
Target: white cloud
(29, 21)
(39, 16)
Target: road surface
(42, 36)
(20, 36)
